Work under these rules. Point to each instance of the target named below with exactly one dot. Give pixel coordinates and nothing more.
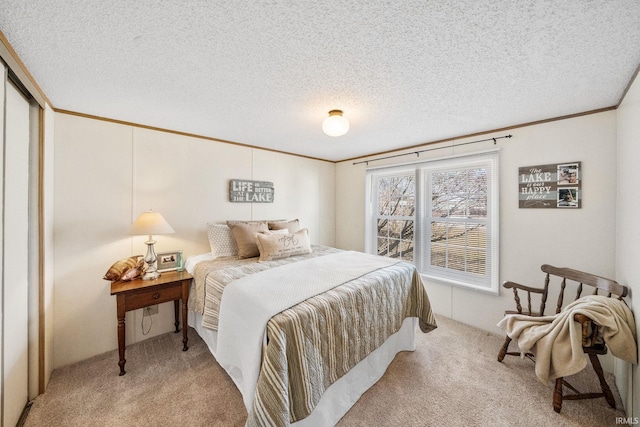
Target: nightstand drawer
(156, 296)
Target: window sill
(460, 284)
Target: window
(394, 215)
(441, 215)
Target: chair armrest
(529, 290)
(511, 285)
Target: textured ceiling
(266, 72)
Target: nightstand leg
(176, 309)
(185, 326)
(121, 334)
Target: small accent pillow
(221, 240)
(283, 231)
(292, 226)
(116, 271)
(243, 234)
(277, 246)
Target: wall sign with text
(244, 191)
(557, 185)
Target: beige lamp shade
(150, 223)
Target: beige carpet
(452, 379)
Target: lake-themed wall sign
(558, 185)
(245, 191)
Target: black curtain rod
(417, 153)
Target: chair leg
(557, 395)
(608, 395)
(503, 349)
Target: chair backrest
(601, 285)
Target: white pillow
(277, 246)
(221, 240)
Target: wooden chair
(591, 343)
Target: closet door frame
(16, 256)
(35, 280)
(3, 79)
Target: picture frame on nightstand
(169, 261)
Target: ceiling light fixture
(335, 124)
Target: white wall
(580, 238)
(106, 174)
(628, 231)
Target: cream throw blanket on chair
(556, 340)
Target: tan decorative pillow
(243, 234)
(116, 271)
(292, 226)
(277, 246)
(283, 231)
(221, 240)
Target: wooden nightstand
(170, 286)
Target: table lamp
(150, 223)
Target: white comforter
(249, 302)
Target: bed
(305, 334)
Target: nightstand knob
(156, 296)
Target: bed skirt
(346, 391)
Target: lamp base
(151, 275)
(150, 259)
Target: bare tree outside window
(396, 216)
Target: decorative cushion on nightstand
(116, 271)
